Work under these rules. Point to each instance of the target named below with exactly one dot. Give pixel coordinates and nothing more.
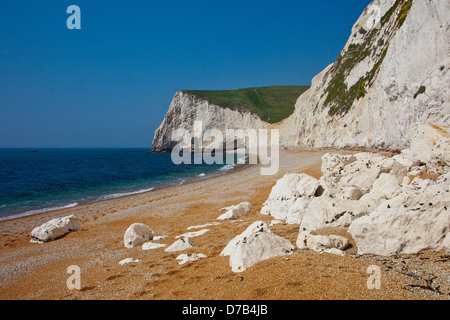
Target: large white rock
(137, 234)
(363, 172)
(278, 208)
(290, 196)
(413, 221)
(55, 229)
(326, 212)
(307, 185)
(297, 210)
(385, 187)
(180, 245)
(351, 176)
(255, 244)
(235, 212)
(286, 187)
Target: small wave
(124, 194)
(36, 211)
(202, 174)
(242, 160)
(227, 167)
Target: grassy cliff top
(271, 104)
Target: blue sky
(110, 83)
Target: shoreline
(122, 194)
(39, 271)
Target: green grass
(271, 104)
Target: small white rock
(193, 234)
(180, 245)
(334, 251)
(204, 226)
(156, 238)
(236, 212)
(184, 258)
(128, 260)
(153, 245)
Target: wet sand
(39, 271)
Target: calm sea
(50, 179)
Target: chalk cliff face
(186, 108)
(392, 75)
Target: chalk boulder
(327, 212)
(289, 197)
(415, 220)
(385, 187)
(297, 210)
(255, 244)
(307, 185)
(363, 172)
(137, 234)
(55, 229)
(235, 212)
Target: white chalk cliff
(186, 108)
(392, 75)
